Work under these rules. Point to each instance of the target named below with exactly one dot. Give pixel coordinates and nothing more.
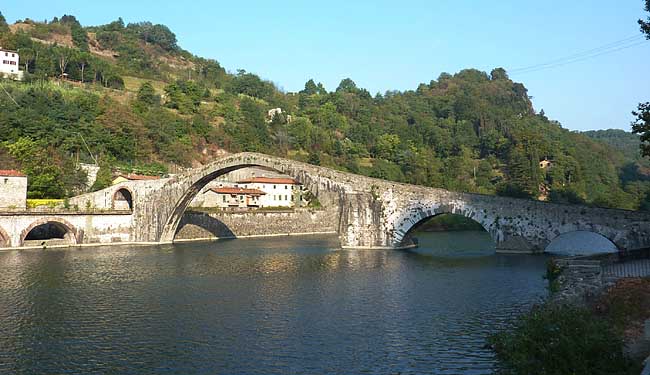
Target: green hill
(131, 97)
(626, 142)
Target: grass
(133, 84)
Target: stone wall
(578, 279)
(198, 225)
(105, 199)
(81, 228)
(13, 192)
(581, 277)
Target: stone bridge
(376, 213)
(372, 213)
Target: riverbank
(604, 334)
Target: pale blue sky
(395, 45)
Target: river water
(289, 305)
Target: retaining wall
(198, 225)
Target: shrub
(559, 340)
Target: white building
(279, 192)
(228, 196)
(13, 189)
(9, 63)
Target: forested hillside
(133, 98)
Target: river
(284, 305)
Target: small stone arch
(610, 234)
(74, 236)
(5, 240)
(414, 216)
(123, 199)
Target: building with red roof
(231, 196)
(133, 177)
(280, 191)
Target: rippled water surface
(283, 305)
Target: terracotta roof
(269, 180)
(137, 177)
(11, 173)
(235, 190)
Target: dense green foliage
(471, 131)
(559, 340)
(625, 142)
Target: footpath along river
(284, 305)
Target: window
(286, 197)
(286, 187)
(6, 54)
(6, 180)
(13, 55)
(274, 186)
(224, 199)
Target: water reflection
(261, 306)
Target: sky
(396, 45)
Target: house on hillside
(229, 197)
(13, 189)
(9, 64)
(133, 177)
(546, 164)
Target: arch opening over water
(123, 200)
(5, 240)
(581, 243)
(448, 232)
(50, 232)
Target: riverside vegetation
(557, 339)
(137, 101)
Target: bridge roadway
(372, 213)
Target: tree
(386, 146)
(347, 85)
(45, 178)
(642, 123)
(4, 27)
(645, 25)
(82, 60)
(147, 95)
(63, 58)
(27, 55)
(314, 158)
(642, 126)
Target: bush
(560, 340)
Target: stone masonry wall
(13, 192)
(197, 225)
(578, 279)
